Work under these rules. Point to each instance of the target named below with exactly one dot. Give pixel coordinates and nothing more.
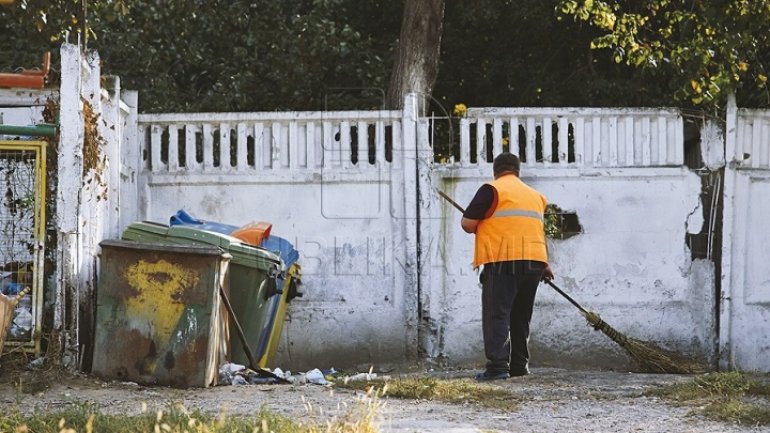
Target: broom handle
(561, 292)
(449, 199)
(244, 342)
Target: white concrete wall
(86, 203)
(68, 201)
(356, 225)
(23, 107)
(745, 300)
(630, 264)
(350, 221)
(20, 116)
(354, 306)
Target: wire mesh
(19, 233)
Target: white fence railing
(232, 142)
(596, 137)
(561, 137)
(752, 143)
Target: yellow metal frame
(39, 148)
(275, 334)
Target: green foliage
(222, 55)
(502, 53)
(552, 221)
(234, 56)
(711, 48)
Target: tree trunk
(419, 49)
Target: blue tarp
(277, 244)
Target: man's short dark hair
(506, 161)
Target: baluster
(345, 152)
(259, 146)
(580, 140)
(513, 136)
(208, 147)
(546, 135)
(563, 153)
(173, 148)
(613, 142)
(190, 152)
(242, 147)
(155, 145)
(293, 155)
(224, 146)
(481, 141)
(497, 136)
(531, 141)
(646, 141)
(465, 141)
(662, 142)
(310, 144)
(629, 142)
(363, 144)
(379, 140)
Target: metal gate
(22, 236)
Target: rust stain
(132, 343)
(187, 360)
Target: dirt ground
(552, 400)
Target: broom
(648, 356)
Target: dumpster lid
(149, 226)
(182, 249)
(146, 231)
(205, 236)
(244, 254)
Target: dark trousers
(508, 295)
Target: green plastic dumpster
(251, 279)
(159, 314)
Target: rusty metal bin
(159, 315)
(253, 282)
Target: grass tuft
(456, 391)
(362, 418)
(705, 386)
(727, 396)
(738, 412)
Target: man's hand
(469, 225)
(547, 273)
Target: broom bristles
(648, 356)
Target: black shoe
(482, 377)
(518, 373)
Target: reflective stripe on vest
(517, 212)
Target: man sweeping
(507, 217)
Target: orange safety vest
(515, 231)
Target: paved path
(552, 400)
